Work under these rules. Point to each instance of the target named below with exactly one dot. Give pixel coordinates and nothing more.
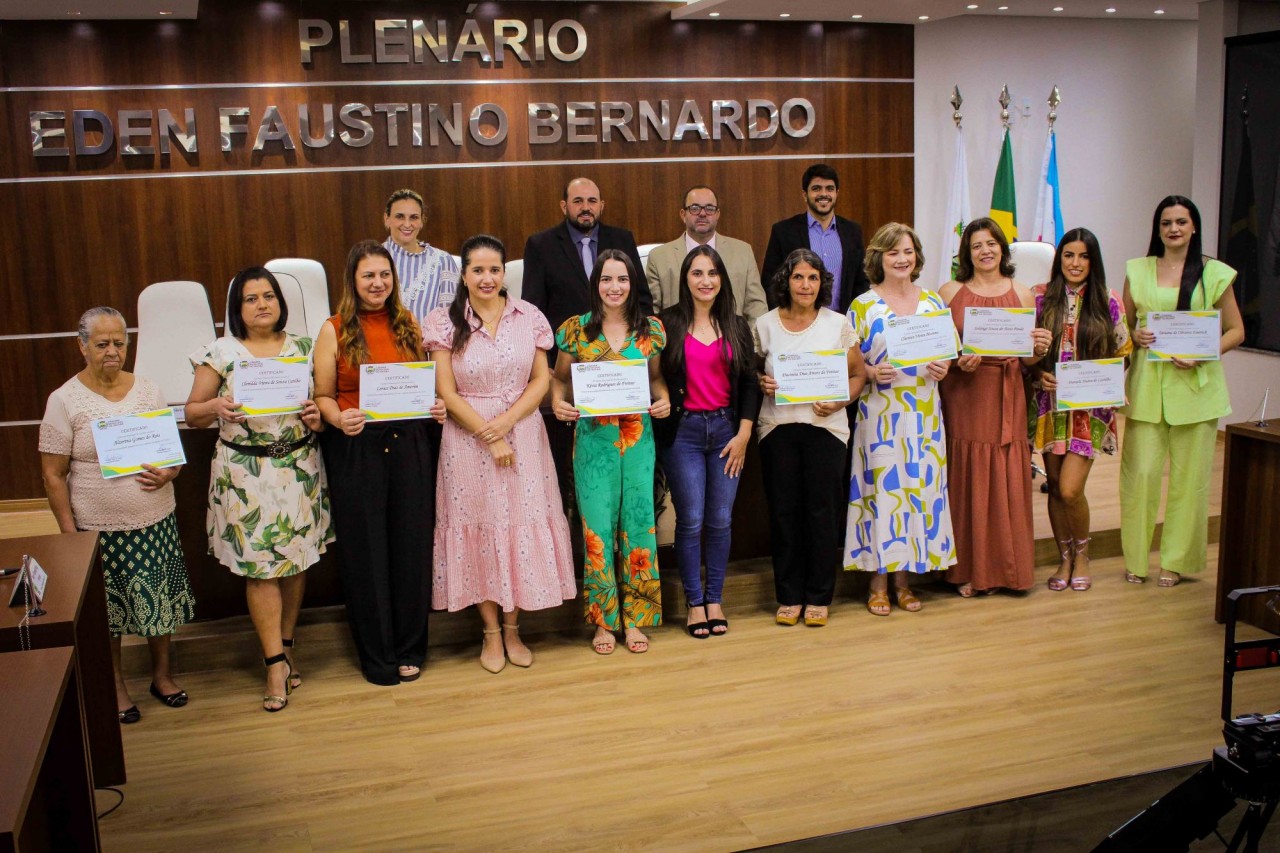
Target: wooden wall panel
(71, 243)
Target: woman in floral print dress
(613, 458)
(268, 511)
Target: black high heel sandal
(281, 701)
(694, 627)
(295, 677)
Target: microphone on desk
(1262, 418)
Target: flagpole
(1048, 226)
(957, 216)
(1004, 202)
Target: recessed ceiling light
(924, 17)
(715, 14)
(1057, 8)
(972, 6)
(73, 14)
(1002, 8)
(166, 12)
(1159, 11)
(1111, 11)
(856, 17)
(785, 15)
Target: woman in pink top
(501, 539)
(714, 399)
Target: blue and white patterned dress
(899, 520)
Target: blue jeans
(703, 498)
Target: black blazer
(744, 395)
(791, 234)
(554, 280)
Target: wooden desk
(76, 601)
(46, 795)
(1249, 547)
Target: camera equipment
(1247, 768)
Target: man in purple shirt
(838, 241)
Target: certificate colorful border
(592, 412)
(1064, 406)
(110, 472)
(966, 349)
(1154, 354)
(278, 410)
(402, 416)
(788, 400)
(938, 357)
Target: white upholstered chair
(1034, 261)
(314, 286)
(295, 297)
(174, 318)
(644, 255)
(513, 278)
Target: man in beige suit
(700, 215)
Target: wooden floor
(767, 735)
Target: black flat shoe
(129, 715)
(173, 700)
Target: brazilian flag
(1004, 202)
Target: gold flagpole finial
(1055, 98)
(1005, 100)
(956, 101)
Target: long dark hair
(235, 299)
(1193, 269)
(732, 329)
(1095, 333)
(637, 323)
(352, 347)
(462, 328)
(964, 258)
(781, 284)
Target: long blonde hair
(352, 346)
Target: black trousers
(802, 466)
(382, 490)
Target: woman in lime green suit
(1174, 406)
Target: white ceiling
(83, 10)
(872, 11)
(913, 11)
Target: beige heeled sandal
(520, 659)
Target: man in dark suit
(838, 241)
(558, 261)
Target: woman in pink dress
(501, 540)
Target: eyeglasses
(699, 209)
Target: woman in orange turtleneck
(381, 474)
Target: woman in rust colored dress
(984, 405)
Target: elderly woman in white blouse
(146, 574)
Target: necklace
(490, 326)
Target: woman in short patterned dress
(501, 539)
(899, 519)
(146, 574)
(1087, 322)
(268, 515)
(613, 458)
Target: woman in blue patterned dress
(899, 521)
